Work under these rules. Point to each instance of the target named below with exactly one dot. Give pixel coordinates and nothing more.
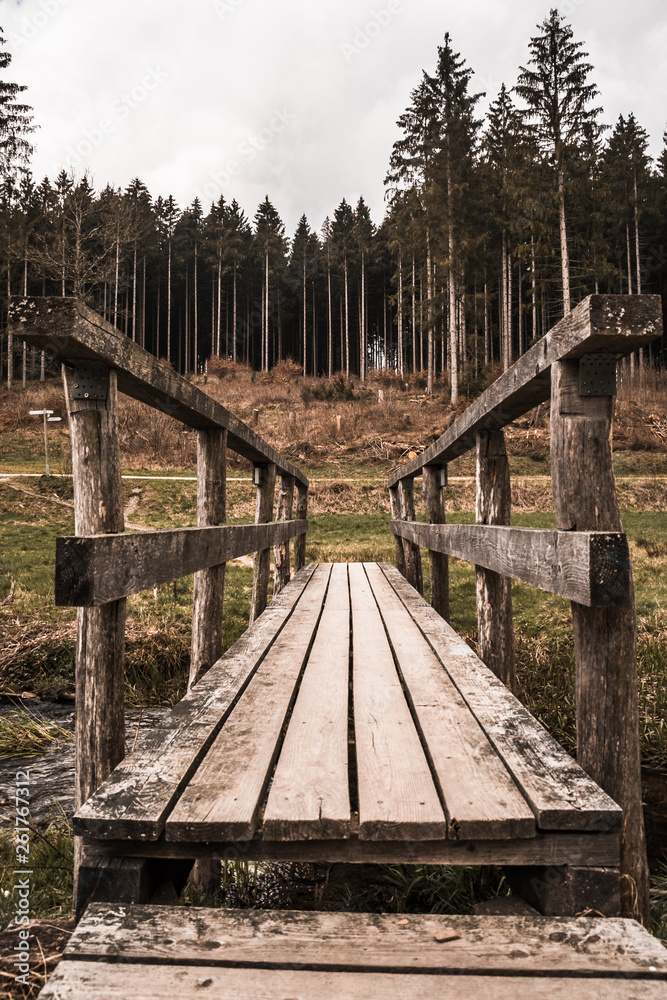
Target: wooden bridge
(350, 722)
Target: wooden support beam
(262, 562)
(281, 557)
(92, 571)
(301, 514)
(437, 560)
(412, 554)
(396, 515)
(100, 647)
(69, 331)
(495, 626)
(209, 584)
(616, 324)
(605, 638)
(590, 567)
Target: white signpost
(48, 419)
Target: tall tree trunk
(143, 305)
(362, 323)
(169, 300)
(219, 313)
(134, 294)
(347, 325)
(429, 313)
(399, 318)
(330, 331)
(196, 314)
(533, 282)
(305, 318)
(233, 320)
(486, 325)
(414, 317)
(564, 252)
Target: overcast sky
(296, 99)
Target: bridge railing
(102, 565)
(585, 560)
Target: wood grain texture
(301, 514)
(397, 797)
(493, 506)
(481, 800)
(496, 945)
(223, 798)
(617, 324)
(209, 584)
(412, 554)
(136, 799)
(399, 550)
(560, 792)
(261, 569)
(605, 639)
(69, 331)
(544, 849)
(281, 554)
(95, 570)
(309, 797)
(437, 560)
(592, 568)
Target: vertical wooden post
(438, 562)
(605, 639)
(262, 559)
(209, 584)
(395, 505)
(413, 559)
(495, 627)
(100, 646)
(281, 557)
(301, 515)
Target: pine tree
(15, 121)
(272, 246)
(342, 238)
(556, 89)
(364, 234)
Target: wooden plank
(494, 945)
(397, 797)
(135, 800)
(617, 324)
(209, 584)
(544, 849)
(281, 555)
(493, 506)
(91, 571)
(69, 331)
(224, 797)
(262, 561)
(301, 514)
(437, 561)
(309, 797)
(481, 800)
(605, 640)
(561, 794)
(74, 980)
(413, 559)
(395, 504)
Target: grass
(29, 734)
(51, 861)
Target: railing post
(100, 647)
(495, 626)
(605, 639)
(265, 480)
(395, 505)
(432, 484)
(413, 559)
(281, 557)
(301, 515)
(209, 584)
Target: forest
(495, 226)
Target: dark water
(52, 773)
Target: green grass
(51, 862)
(29, 734)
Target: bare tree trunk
(486, 324)
(400, 316)
(169, 302)
(564, 252)
(330, 331)
(414, 317)
(533, 280)
(134, 295)
(429, 314)
(305, 318)
(347, 325)
(362, 323)
(233, 320)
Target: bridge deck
(352, 723)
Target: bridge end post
(413, 559)
(395, 505)
(432, 484)
(264, 477)
(301, 515)
(281, 553)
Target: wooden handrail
(611, 324)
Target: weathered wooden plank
(413, 559)
(481, 799)
(209, 584)
(309, 797)
(100, 642)
(493, 506)
(590, 567)
(605, 640)
(223, 798)
(617, 324)
(261, 569)
(137, 797)
(69, 331)
(493, 945)
(281, 555)
(562, 795)
(544, 849)
(91, 571)
(438, 561)
(75, 980)
(301, 514)
(397, 797)
(399, 550)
